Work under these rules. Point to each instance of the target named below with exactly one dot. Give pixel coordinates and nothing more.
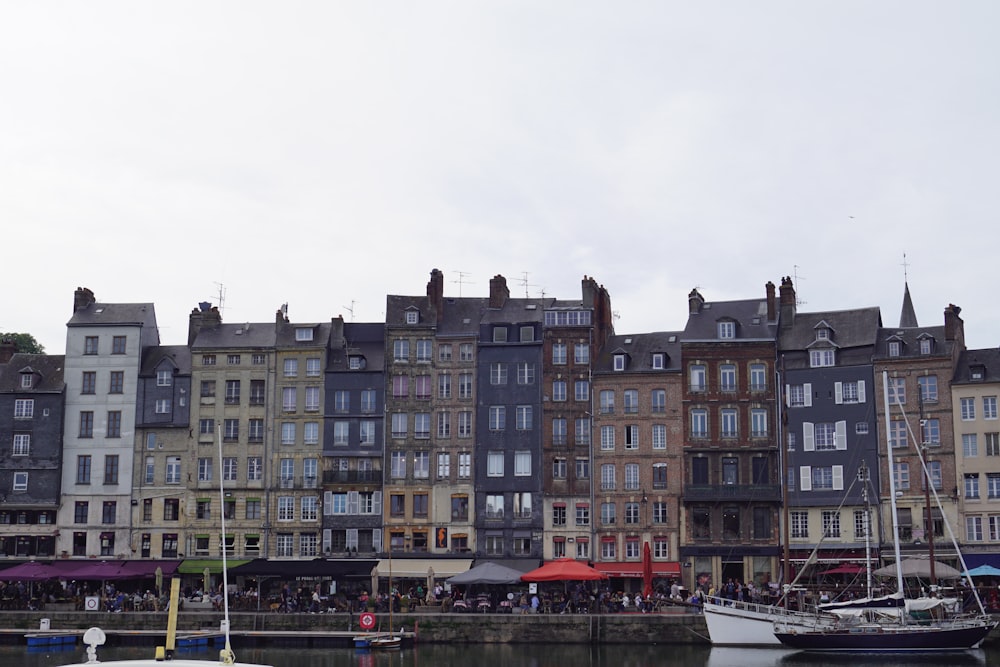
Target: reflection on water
(525, 655)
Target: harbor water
(522, 655)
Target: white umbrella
(920, 567)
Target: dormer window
(658, 361)
(822, 334)
(894, 348)
(356, 363)
(925, 346)
(727, 329)
(303, 334)
(619, 362)
(499, 334)
(26, 380)
(977, 373)
(412, 317)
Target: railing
(746, 492)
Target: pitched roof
(856, 327)
(750, 316)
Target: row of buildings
(503, 427)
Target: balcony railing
(740, 492)
(351, 476)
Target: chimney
(205, 316)
(82, 299)
(954, 327)
(337, 333)
(695, 302)
(786, 301)
(7, 351)
(498, 291)
(589, 286)
(772, 312)
(435, 293)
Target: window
(631, 476)
(559, 354)
(631, 436)
(582, 514)
(608, 513)
(173, 472)
(992, 444)
(934, 471)
(424, 349)
(993, 485)
(20, 481)
(494, 464)
(696, 378)
(466, 352)
(205, 469)
(659, 512)
(444, 352)
(81, 511)
(494, 506)
(897, 390)
(728, 423)
(849, 392)
(607, 401)
(659, 475)
(368, 398)
(559, 390)
(823, 477)
(630, 401)
(931, 431)
(928, 388)
(289, 399)
(444, 385)
(465, 385)
(162, 406)
(498, 373)
(559, 515)
(582, 433)
(286, 508)
(758, 423)
(972, 486)
(925, 346)
(989, 407)
(497, 417)
(90, 345)
(727, 377)
(229, 469)
(421, 465)
(341, 433)
(559, 468)
(581, 353)
(22, 444)
(24, 408)
(658, 401)
(581, 390)
(118, 344)
(527, 334)
(342, 401)
(465, 424)
(607, 438)
(974, 528)
(499, 334)
(608, 482)
(464, 465)
(231, 430)
(525, 373)
(583, 468)
(631, 513)
(727, 329)
(619, 362)
(111, 469)
(824, 437)
(901, 475)
(522, 464)
(444, 425)
(255, 468)
(758, 377)
(799, 522)
(897, 432)
(312, 367)
(821, 358)
(968, 408)
(523, 417)
(659, 436)
(291, 368)
(701, 523)
(400, 350)
(420, 505)
(831, 523)
(312, 399)
(89, 382)
(970, 445)
(109, 512)
(559, 431)
(699, 423)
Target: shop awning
(319, 567)
(420, 568)
(522, 564)
(214, 565)
(974, 560)
(634, 569)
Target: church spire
(907, 317)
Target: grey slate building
(31, 421)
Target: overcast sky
(326, 154)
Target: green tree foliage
(23, 342)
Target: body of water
(523, 655)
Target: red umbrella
(846, 568)
(647, 571)
(563, 569)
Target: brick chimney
(435, 293)
(82, 299)
(7, 351)
(695, 302)
(954, 327)
(498, 291)
(772, 312)
(337, 333)
(205, 316)
(786, 301)
(281, 315)
(589, 292)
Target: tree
(24, 343)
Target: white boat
(95, 637)
(737, 623)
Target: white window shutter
(840, 434)
(377, 540)
(838, 392)
(327, 539)
(353, 503)
(805, 478)
(861, 391)
(327, 503)
(352, 538)
(377, 503)
(808, 438)
(788, 395)
(807, 394)
(838, 478)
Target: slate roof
(284, 335)
(462, 316)
(911, 342)
(110, 314)
(750, 316)
(364, 338)
(988, 360)
(516, 311)
(248, 335)
(48, 366)
(180, 356)
(857, 327)
(640, 349)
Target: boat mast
(783, 460)
(226, 655)
(892, 486)
(866, 475)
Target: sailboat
(382, 641)
(873, 630)
(95, 637)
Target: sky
(325, 154)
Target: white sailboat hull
(734, 623)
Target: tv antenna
(796, 278)
(350, 309)
(221, 296)
(526, 284)
(461, 280)
(906, 266)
